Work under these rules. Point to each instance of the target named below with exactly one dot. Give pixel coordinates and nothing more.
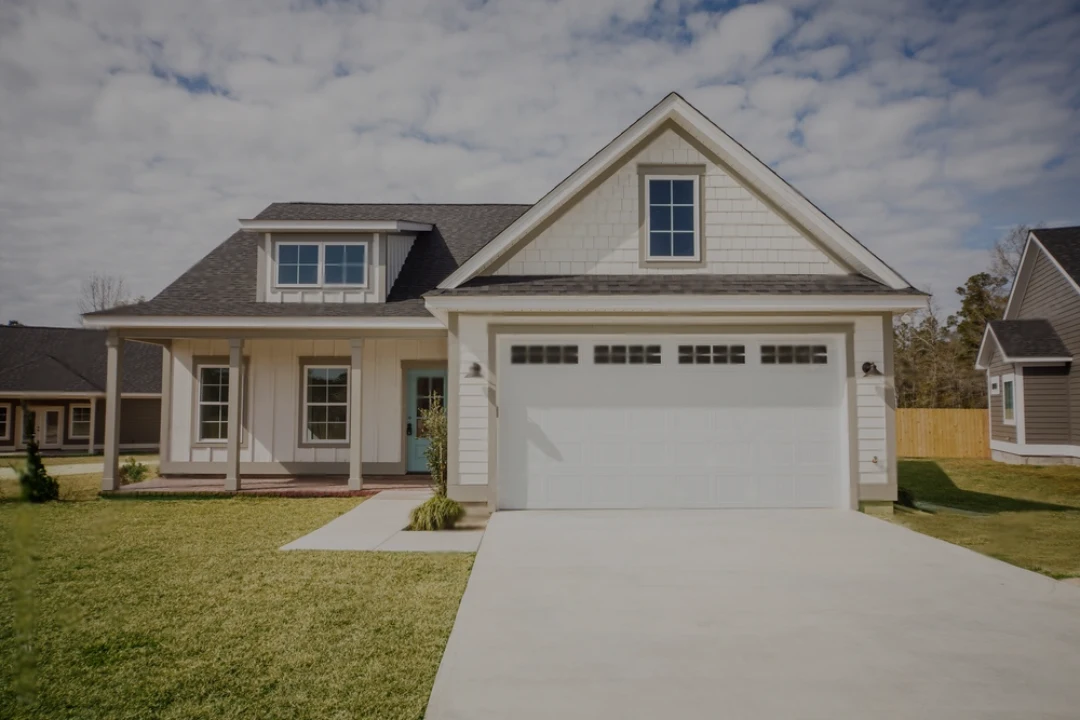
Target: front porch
(281, 486)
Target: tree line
(935, 356)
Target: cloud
(134, 134)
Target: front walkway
(9, 473)
(379, 524)
(751, 614)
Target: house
(52, 384)
(1028, 355)
(672, 325)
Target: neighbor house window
(79, 421)
(321, 264)
(5, 422)
(213, 403)
(672, 218)
(1008, 400)
(326, 404)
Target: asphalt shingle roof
(697, 284)
(71, 360)
(1028, 339)
(1064, 245)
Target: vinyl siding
(1050, 295)
(1046, 405)
(600, 233)
(998, 429)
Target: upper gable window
(318, 264)
(673, 229)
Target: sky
(134, 133)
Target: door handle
(408, 428)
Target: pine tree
(37, 485)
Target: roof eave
(648, 303)
(404, 226)
(292, 322)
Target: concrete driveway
(751, 614)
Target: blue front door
(423, 386)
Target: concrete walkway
(9, 473)
(751, 614)
(379, 524)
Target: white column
(356, 429)
(93, 424)
(110, 475)
(232, 462)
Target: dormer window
(319, 264)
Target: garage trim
(846, 331)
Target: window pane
(287, 275)
(308, 274)
(337, 394)
(309, 254)
(288, 254)
(210, 431)
(212, 393)
(683, 218)
(317, 413)
(660, 218)
(354, 254)
(682, 192)
(660, 244)
(683, 245)
(659, 192)
(437, 387)
(354, 274)
(316, 393)
(316, 431)
(335, 431)
(337, 414)
(335, 254)
(335, 275)
(337, 376)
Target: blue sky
(134, 134)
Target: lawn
(1023, 514)
(134, 608)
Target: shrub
(438, 513)
(433, 427)
(133, 471)
(37, 485)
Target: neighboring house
(673, 325)
(1028, 355)
(52, 384)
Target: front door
(46, 425)
(423, 387)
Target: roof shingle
(1029, 339)
(1064, 245)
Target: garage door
(671, 422)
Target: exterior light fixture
(870, 369)
(474, 371)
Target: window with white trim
(1008, 400)
(79, 422)
(672, 217)
(326, 404)
(321, 264)
(213, 403)
(5, 422)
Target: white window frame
(995, 385)
(305, 432)
(199, 403)
(1006, 381)
(9, 421)
(649, 257)
(71, 422)
(321, 265)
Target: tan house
(673, 325)
(1028, 355)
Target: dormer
(330, 261)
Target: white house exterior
(671, 326)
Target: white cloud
(901, 120)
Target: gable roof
(1033, 340)
(674, 108)
(1061, 246)
(223, 284)
(71, 360)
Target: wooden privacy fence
(933, 432)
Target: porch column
(356, 414)
(232, 461)
(110, 475)
(93, 423)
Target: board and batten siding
(599, 235)
(1051, 296)
(1046, 405)
(375, 291)
(476, 396)
(272, 397)
(998, 429)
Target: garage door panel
(670, 435)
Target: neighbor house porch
(317, 412)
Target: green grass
(138, 608)
(1030, 514)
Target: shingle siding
(1050, 295)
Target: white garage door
(671, 421)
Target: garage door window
(626, 355)
(544, 354)
(712, 354)
(794, 354)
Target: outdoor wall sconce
(870, 369)
(474, 371)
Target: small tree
(37, 485)
(433, 428)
